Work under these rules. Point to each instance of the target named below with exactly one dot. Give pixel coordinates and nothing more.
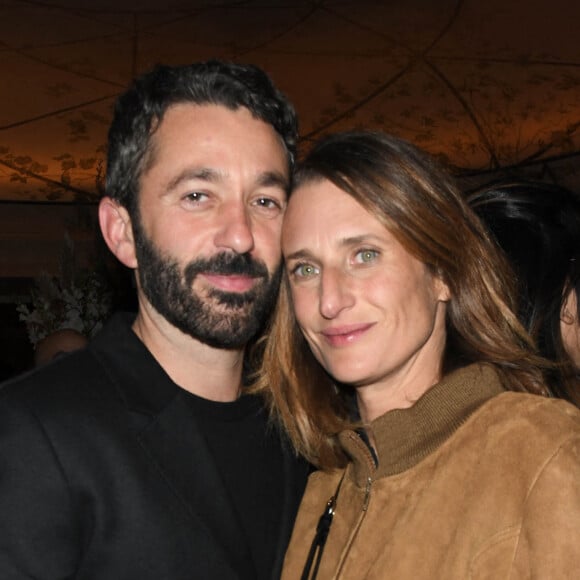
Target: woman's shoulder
(526, 405)
(523, 420)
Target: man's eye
(268, 203)
(366, 256)
(195, 196)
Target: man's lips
(230, 282)
(345, 335)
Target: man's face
(207, 234)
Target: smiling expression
(207, 234)
(373, 315)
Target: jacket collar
(166, 429)
(170, 438)
(140, 381)
(403, 437)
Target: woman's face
(373, 315)
(570, 327)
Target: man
(141, 457)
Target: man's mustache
(226, 264)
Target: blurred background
(490, 87)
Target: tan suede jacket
(472, 482)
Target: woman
(393, 362)
(537, 225)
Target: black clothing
(246, 450)
(105, 473)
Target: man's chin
(227, 336)
(231, 301)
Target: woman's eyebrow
(346, 242)
(299, 255)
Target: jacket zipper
(364, 508)
(356, 528)
(367, 494)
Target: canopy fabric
(486, 85)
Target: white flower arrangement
(78, 299)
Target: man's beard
(221, 319)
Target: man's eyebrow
(273, 179)
(265, 179)
(201, 173)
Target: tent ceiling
(484, 84)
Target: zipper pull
(367, 494)
(315, 554)
(325, 521)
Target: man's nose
(235, 229)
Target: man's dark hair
(140, 109)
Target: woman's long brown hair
(417, 202)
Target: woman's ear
(117, 231)
(441, 288)
(568, 312)
(570, 327)
(443, 292)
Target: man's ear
(117, 231)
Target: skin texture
(206, 190)
(373, 315)
(570, 327)
(57, 343)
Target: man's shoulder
(72, 376)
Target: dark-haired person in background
(141, 457)
(537, 225)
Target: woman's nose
(335, 293)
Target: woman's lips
(345, 335)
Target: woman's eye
(366, 256)
(304, 270)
